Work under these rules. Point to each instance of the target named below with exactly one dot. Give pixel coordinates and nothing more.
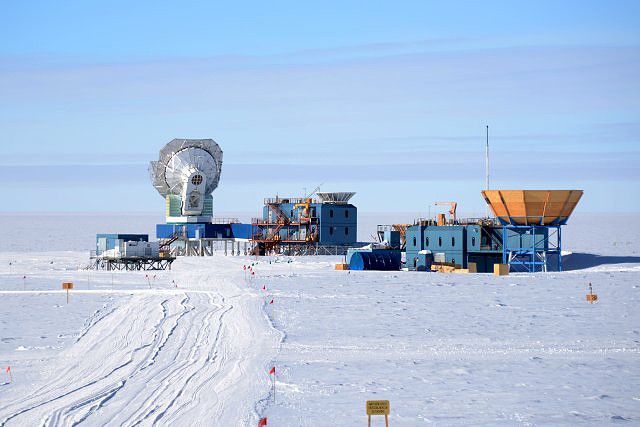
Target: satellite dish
(190, 169)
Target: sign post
(591, 297)
(67, 286)
(378, 407)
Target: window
(414, 241)
(473, 241)
(331, 230)
(426, 242)
(346, 231)
(453, 260)
(346, 213)
(453, 241)
(196, 179)
(439, 241)
(415, 262)
(291, 216)
(331, 213)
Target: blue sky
(388, 100)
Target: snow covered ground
(445, 349)
(457, 349)
(128, 349)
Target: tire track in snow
(161, 336)
(81, 383)
(182, 357)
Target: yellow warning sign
(377, 407)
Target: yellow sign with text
(377, 407)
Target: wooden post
(369, 420)
(67, 286)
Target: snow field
(449, 349)
(445, 349)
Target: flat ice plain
(445, 349)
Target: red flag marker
(271, 302)
(9, 373)
(263, 422)
(8, 369)
(273, 373)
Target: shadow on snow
(578, 260)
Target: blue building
(204, 231)
(446, 243)
(305, 225)
(457, 244)
(482, 243)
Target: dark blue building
(305, 225)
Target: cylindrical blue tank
(376, 260)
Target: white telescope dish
(190, 169)
(180, 159)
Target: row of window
(346, 213)
(453, 241)
(346, 231)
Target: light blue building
(446, 243)
(461, 244)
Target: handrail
(292, 200)
(225, 221)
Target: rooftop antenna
(487, 165)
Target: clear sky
(388, 99)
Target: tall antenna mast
(487, 165)
(487, 159)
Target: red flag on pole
(263, 422)
(8, 369)
(272, 371)
(271, 302)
